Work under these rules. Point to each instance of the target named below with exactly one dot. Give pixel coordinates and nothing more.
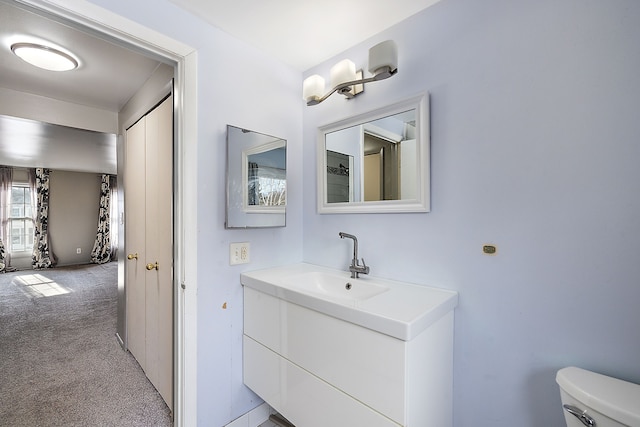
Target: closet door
(149, 245)
(134, 185)
(159, 248)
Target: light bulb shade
(313, 87)
(44, 57)
(344, 71)
(383, 57)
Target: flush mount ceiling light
(383, 63)
(45, 57)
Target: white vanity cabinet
(318, 369)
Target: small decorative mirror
(376, 162)
(256, 179)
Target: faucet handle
(364, 267)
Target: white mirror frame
(423, 185)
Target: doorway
(112, 27)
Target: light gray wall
(61, 136)
(74, 203)
(148, 96)
(30, 143)
(535, 148)
(48, 110)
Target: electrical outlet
(78, 250)
(239, 253)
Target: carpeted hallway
(60, 362)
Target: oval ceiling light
(45, 57)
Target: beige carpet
(60, 362)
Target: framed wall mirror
(256, 179)
(376, 162)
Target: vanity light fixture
(46, 57)
(383, 63)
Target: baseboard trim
(253, 418)
(279, 420)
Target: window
(268, 186)
(264, 168)
(20, 217)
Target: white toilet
(595, 400)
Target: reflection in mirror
(384, 151)
(376, 162)
(256, 179)
(264, 169)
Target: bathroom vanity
(325, 349)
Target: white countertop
(402, 311)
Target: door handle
(132, 256)
(152, 266)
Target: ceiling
(301, 33)
(92, 84)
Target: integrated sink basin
(398, 309)
(335, 287)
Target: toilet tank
(608, 401)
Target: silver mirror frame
(422, 203)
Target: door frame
(109, 25)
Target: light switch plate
(239, 253)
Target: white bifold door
(148, 191)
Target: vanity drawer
(363, 363)
(302, 397)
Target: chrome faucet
(355, 268)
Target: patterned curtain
(42, 255)
(6, 180)
(114, 217)
(3, 265)
(101, 252)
